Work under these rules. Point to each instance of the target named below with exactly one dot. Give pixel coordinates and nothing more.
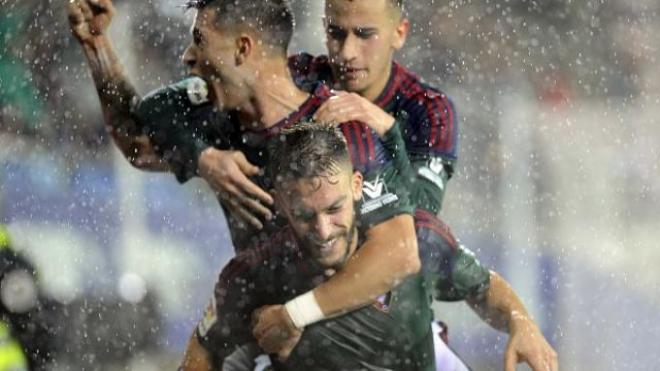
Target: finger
(255, 206)
(269, 341)
(538, 363)
(100, 6)
(75, 14)
(245, 216)
(87, 13)
(249, 187)
(256, 314)
(554, 362)
(244, 165)
(510, 361)
(322, 112)
(284, 354)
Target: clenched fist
(90, 19)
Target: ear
(401, 33)
(356, 185)
(244, 48)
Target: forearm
(116, 95)
(388, 256)
(500, 306)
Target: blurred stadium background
(557, 185)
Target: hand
(345, 107)
(275, 331)
(90, 18)
(227, 173)
(527, 344)
(144, 157)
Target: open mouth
(327, 247)
(349, 73)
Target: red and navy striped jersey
(427, 115)
(365, 147)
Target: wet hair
(308, 150)
(272, 19)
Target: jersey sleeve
(226, 321)
(453, 270)
(386, 187)
(432, 147)
(178, 119)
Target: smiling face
(212, 55)
(362, 36)
(322, 213)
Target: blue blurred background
(557, 184)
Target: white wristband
(304, 310)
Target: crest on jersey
(209, 319)
(197, 90)
(374, 189)
(382, 303)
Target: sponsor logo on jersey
(376, 195)
(209, 319)
(374, 189)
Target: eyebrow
(336, 203)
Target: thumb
(245, 166)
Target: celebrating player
(317, 188)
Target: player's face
(211, 55)
(322, 213)
(362, 36)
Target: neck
(373, 92)
(274, 95)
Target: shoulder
(412, 87)
(271, 251)
(307, 69)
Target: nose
(349, 48)
(323, 228)
(188, 57)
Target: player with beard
(318, 192)
(317, 188)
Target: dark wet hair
(272, 19)
(308, 150)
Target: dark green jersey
(182, 124)
(393, 333)
(169, 107)
(383, 162)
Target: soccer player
(362, 39)
(256, 86)
(318, 190)
(252, 77)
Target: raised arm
(89, 20)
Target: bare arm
(388, 256)
(502, 308)
(89, 21)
